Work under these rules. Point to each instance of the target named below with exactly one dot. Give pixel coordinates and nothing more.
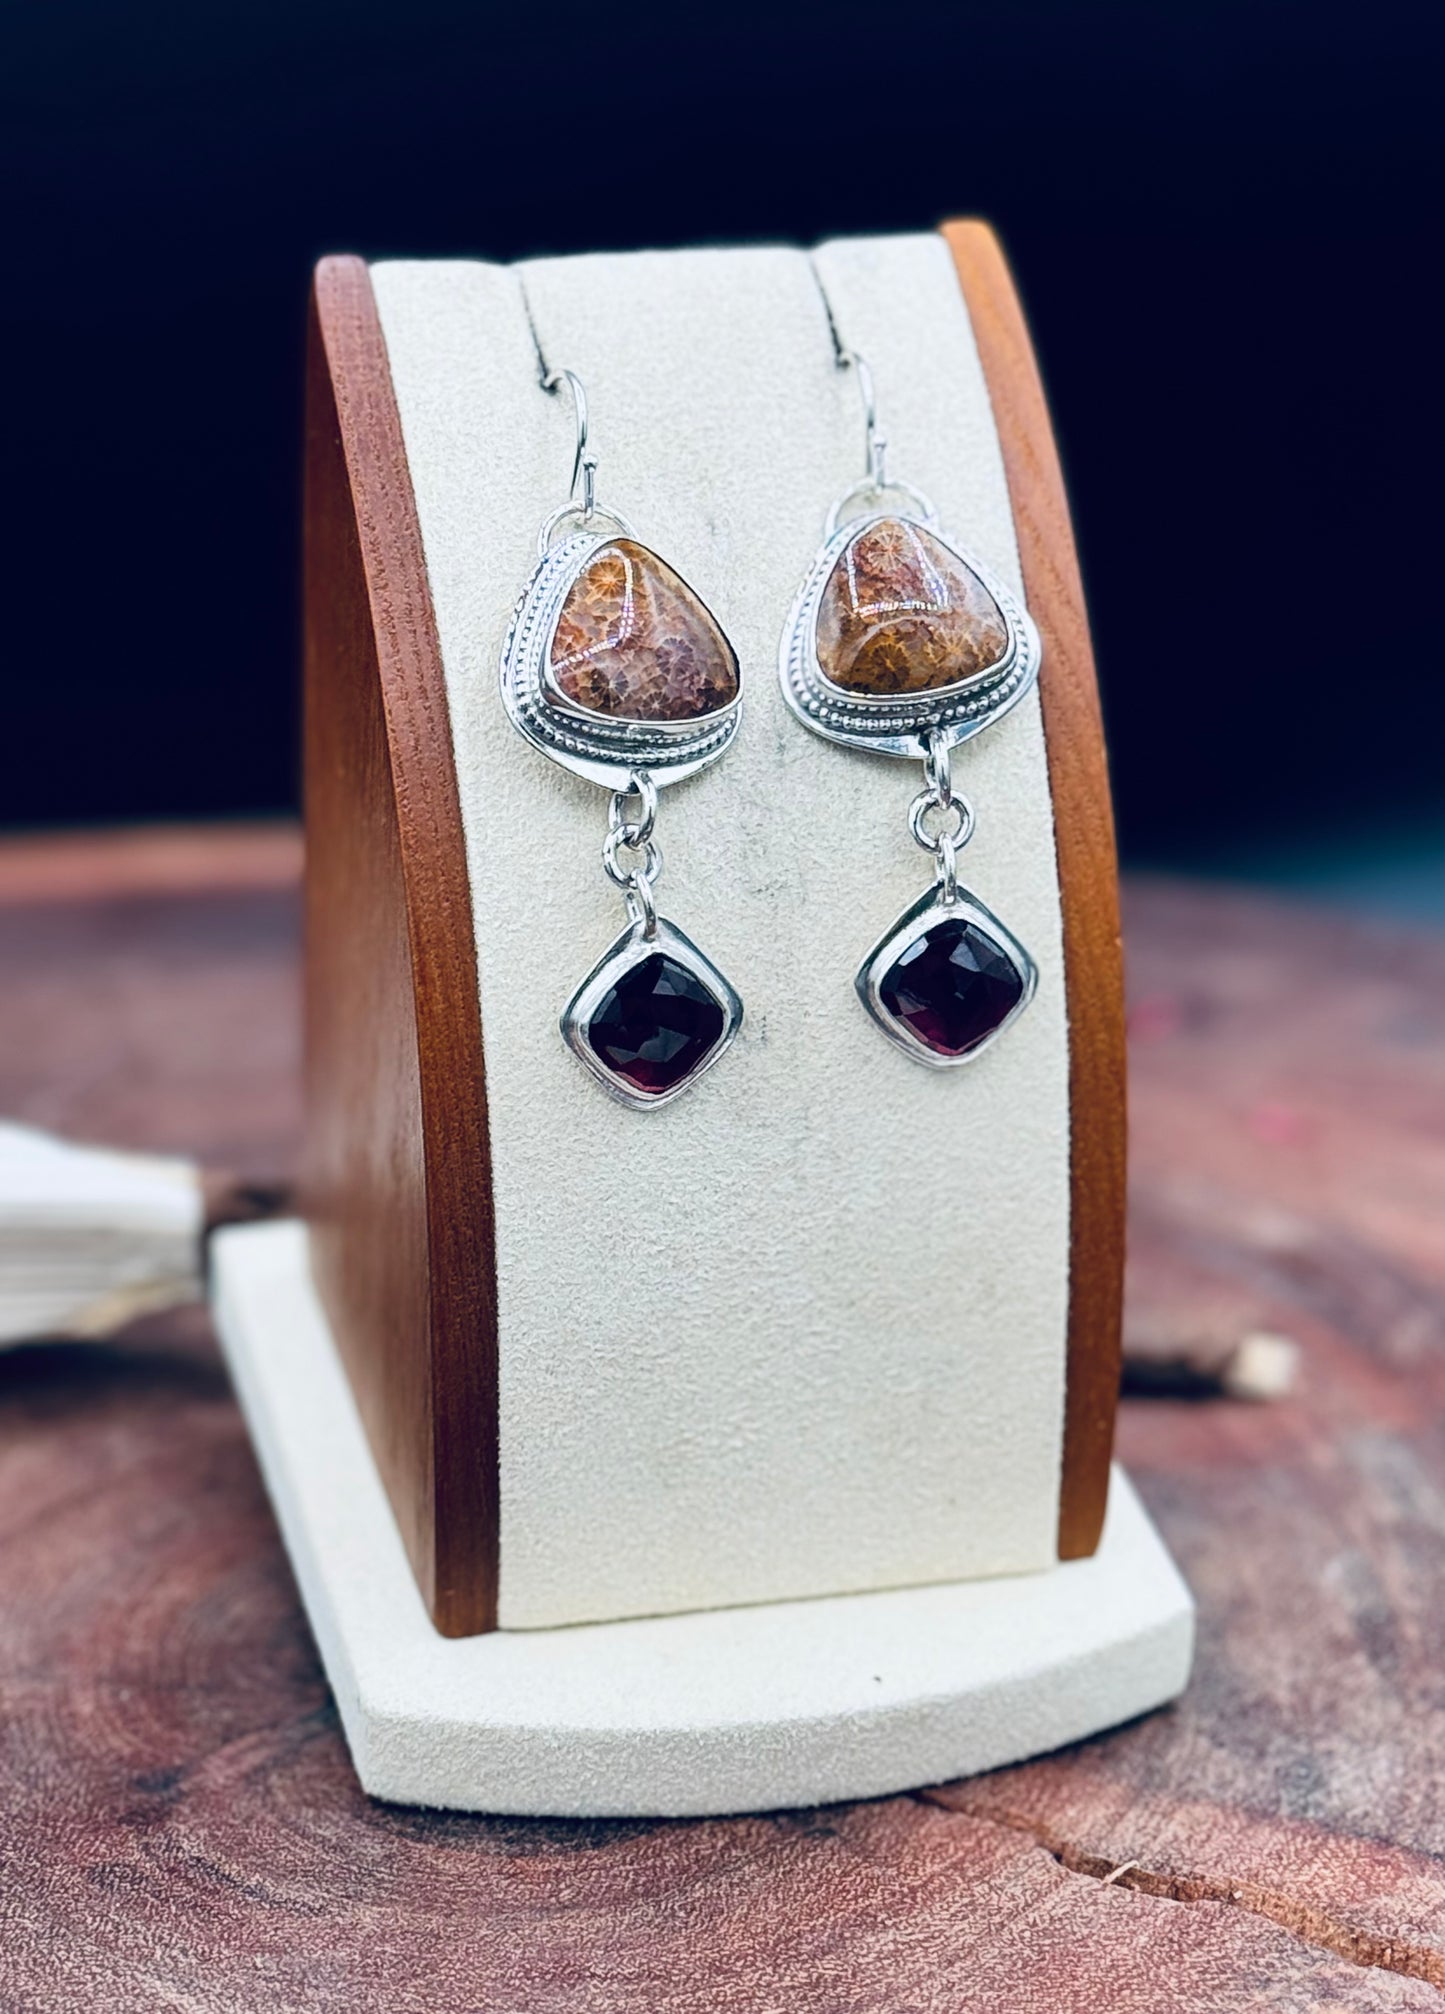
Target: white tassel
(91, 1237)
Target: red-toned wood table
(179, 1825)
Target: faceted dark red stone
(952, 987)
(656, 1025)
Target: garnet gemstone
(952, 987)
(656, 1026)
(901, 613)
(633, 641)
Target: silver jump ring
(958, 807)
(624, 877)
(636, 832)
(584, 517)
(947, 850)
(938, 768)
(866, 486)
(641, 908)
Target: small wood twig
(1257, 1364)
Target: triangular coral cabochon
(901, 613)
(634, 642)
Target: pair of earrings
(899, 641)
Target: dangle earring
(614, 668)
(901, 641)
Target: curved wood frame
(397, 1184)
(1088, 879)
(396, 1168)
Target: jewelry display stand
(758, 1447)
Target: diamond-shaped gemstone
(952, 987)
(656, 1025)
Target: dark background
(1222, 217)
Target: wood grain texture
(1088, 880)
(396, 1177)
(179, 1825)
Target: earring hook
(850, 360)
(583, 463)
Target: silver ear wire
(584, 465)
(875, 481)
(877, 446)
(847, 359)
(583, 509)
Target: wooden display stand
(727, 1500)
(397, 1186)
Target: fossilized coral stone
(901, 613)
(634, 642)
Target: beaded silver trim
(608, 752)
(901, 724)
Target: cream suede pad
(788, 1703)
(802, 1332)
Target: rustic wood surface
(179, 1825)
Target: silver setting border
(625, 951)
(930, 908)
(900, 724)
(606, 752)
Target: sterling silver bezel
(933, 906)
(628, 949)
(606, 752)
(901, 723)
